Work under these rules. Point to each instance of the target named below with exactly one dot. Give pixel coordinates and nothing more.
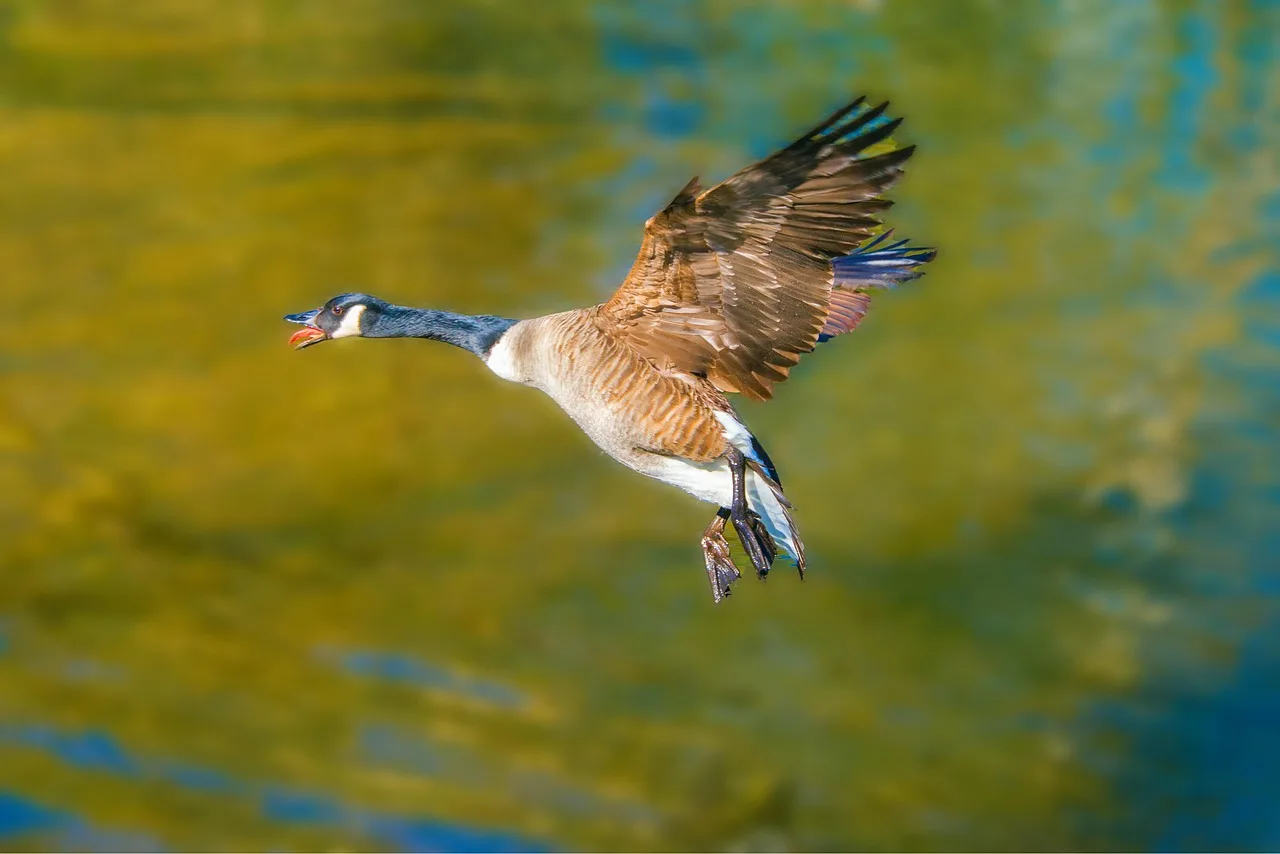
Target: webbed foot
(755, 538)
(715, 551)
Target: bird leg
(756, 541)
(715, 551)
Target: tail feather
(877, 264)
(764, 489)
(766, 498)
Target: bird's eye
(337, 310)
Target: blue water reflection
(400, 667)
(24, 819)
(98, 751)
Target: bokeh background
(371, 596)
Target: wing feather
(735, 283)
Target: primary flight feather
(731, 287)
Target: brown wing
(736, 283)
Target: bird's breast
(626, 405)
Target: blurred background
(371, 596)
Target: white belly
(577, 396)
(709, 481)
(706, 481)
(712, 482)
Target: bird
(732, 285)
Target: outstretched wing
(736, 283)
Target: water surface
(371, 596)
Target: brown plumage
(572, 357)
(735, 283)
(731, 287)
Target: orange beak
(309, 333)
(307, 336)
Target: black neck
(475, 333)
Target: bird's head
(344, 316)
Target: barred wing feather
(736, 283)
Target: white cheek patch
(350, 325)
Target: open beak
(309, 333)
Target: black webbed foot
(756, 541)
(764, 540)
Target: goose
(731, 286)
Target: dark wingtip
(875, 135)
(819, 133)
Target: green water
(369, 595)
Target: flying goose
(731, 287)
